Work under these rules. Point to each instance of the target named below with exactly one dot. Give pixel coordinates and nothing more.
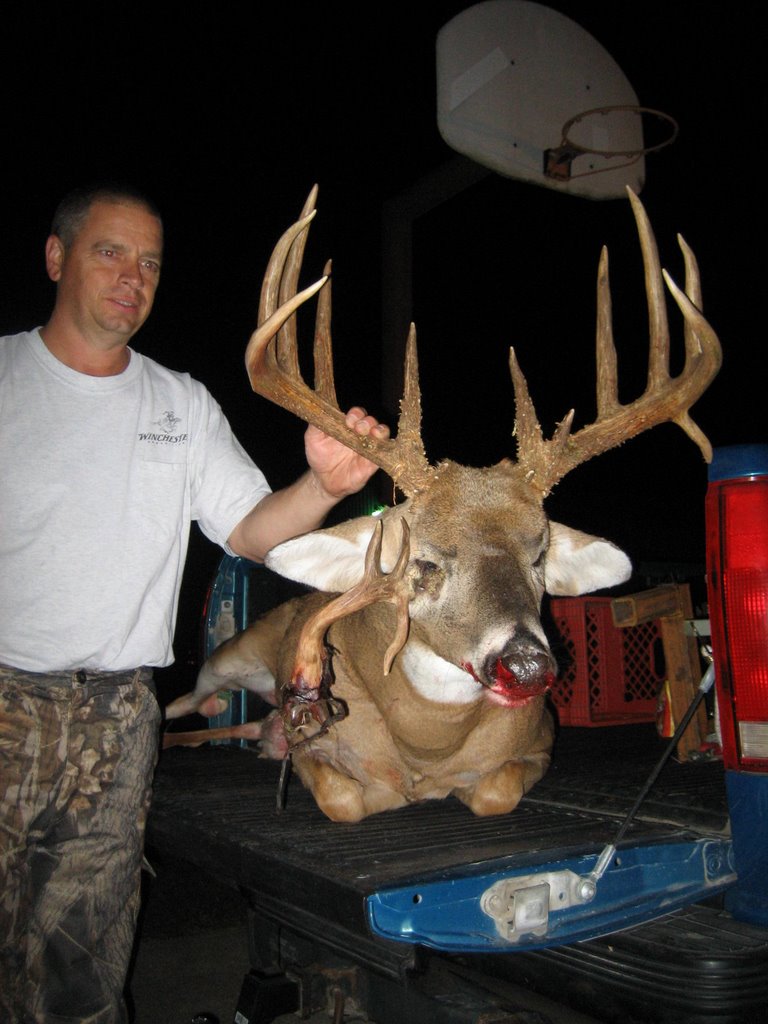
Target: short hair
(74, 207)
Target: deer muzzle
(524, 669)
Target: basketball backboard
(523, 90)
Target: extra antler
(306, 702)
(273, 365)
(375, 585)
(666, 398)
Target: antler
(666, 398)
(307, 706)
(271, 359)
(375, 585)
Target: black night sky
(226, 114)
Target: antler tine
(287, 348)
(273, 367)
(658, 326)
(271, 286)
(605, 349)
(665, 399)
(324, 383)
(539, 458)
(375, 585)
(412, 466)
(703, 356)
(693, 346)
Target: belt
(78, 677)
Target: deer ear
(578, 563)
(333, 560)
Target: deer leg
(196, 738)
(500, 791)
(342, 798)
(268, 731)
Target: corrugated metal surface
(217, 807)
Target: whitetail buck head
(445, 691)
(482, 551)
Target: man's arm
(334, 472)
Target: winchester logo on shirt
(166, 432)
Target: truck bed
(218, 805)
(314, 879)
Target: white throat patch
(436, 679)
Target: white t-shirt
(99, 480)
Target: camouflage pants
(77, 752)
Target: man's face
(107, 277)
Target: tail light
(737, 582)
(737, 572)
(737, 576)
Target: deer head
(482, 550)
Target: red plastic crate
(608, 676)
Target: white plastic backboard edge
(511, 74)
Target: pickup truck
(628, 886)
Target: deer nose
(525, 665)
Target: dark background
(226, 114)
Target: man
(105, 458)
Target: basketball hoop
(557, 161)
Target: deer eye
(428, 577)
(539, 562)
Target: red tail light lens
(737, 577)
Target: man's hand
(334, 472)
(337, 470)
